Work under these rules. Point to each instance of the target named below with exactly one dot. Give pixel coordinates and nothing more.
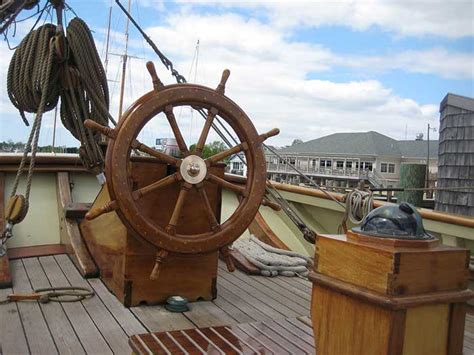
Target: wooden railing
(346, 172)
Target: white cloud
(452, 19)
(437, 61)
(270, 79)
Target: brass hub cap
(193, 169)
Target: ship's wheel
(192, 170)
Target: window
(340, 164)
(391, 168)
(322, 163)
(366, 165)
(236, 166)
(313, 163)
(328, 163)
(292, 161)
(349, 164)
(383, 168)
(357, 165)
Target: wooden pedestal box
(385, 296)
(126, 261)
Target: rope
(29, 90)
(44, 67)
(358, 205)
(52, 294)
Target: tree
(211, 149)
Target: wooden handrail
(425, 213)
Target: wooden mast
(124, 65)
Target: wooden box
(126, 261)
(385, 296)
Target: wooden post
(392, 297)
(69, 230)
(5, 275)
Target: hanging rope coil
(77, 76)
(45, 66)
(28, 72)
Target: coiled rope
(358, 205)
(45, 66)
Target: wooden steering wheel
(191, 169)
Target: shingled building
(456, 155)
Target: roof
(364, 143)
(462, 102)
(418, 149)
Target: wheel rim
(117, 165)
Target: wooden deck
(101, 325)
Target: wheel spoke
(207, 208)
(174, 126)
(137, 194)
(205, 130)
(219, 181)
(171, 228)
(165, 158)
(222, 155)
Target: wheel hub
(193, 169)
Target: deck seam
(253, 307)
(267, 304)
(84, 307)
(62, 307)
(274, 293)
(18, 266)
(271, 302)
(112, 313)
(41, 308)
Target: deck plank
(129, 323)
(292, 286)
(250, 299)
(263, 339)
(91, 338)
(294, 283)
(256, 293)
(12, 334)
(243, 304)
(100, 315)
(207, 314)
(37, 331)
(276, 292)
(231, 309)
(158, 319)
(86, 326)
(61, 329)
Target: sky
(309, 68)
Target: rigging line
(33, 15)
(167, 63)
(195, 56)
(12, 17)
(31, 29)
(300, 173)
